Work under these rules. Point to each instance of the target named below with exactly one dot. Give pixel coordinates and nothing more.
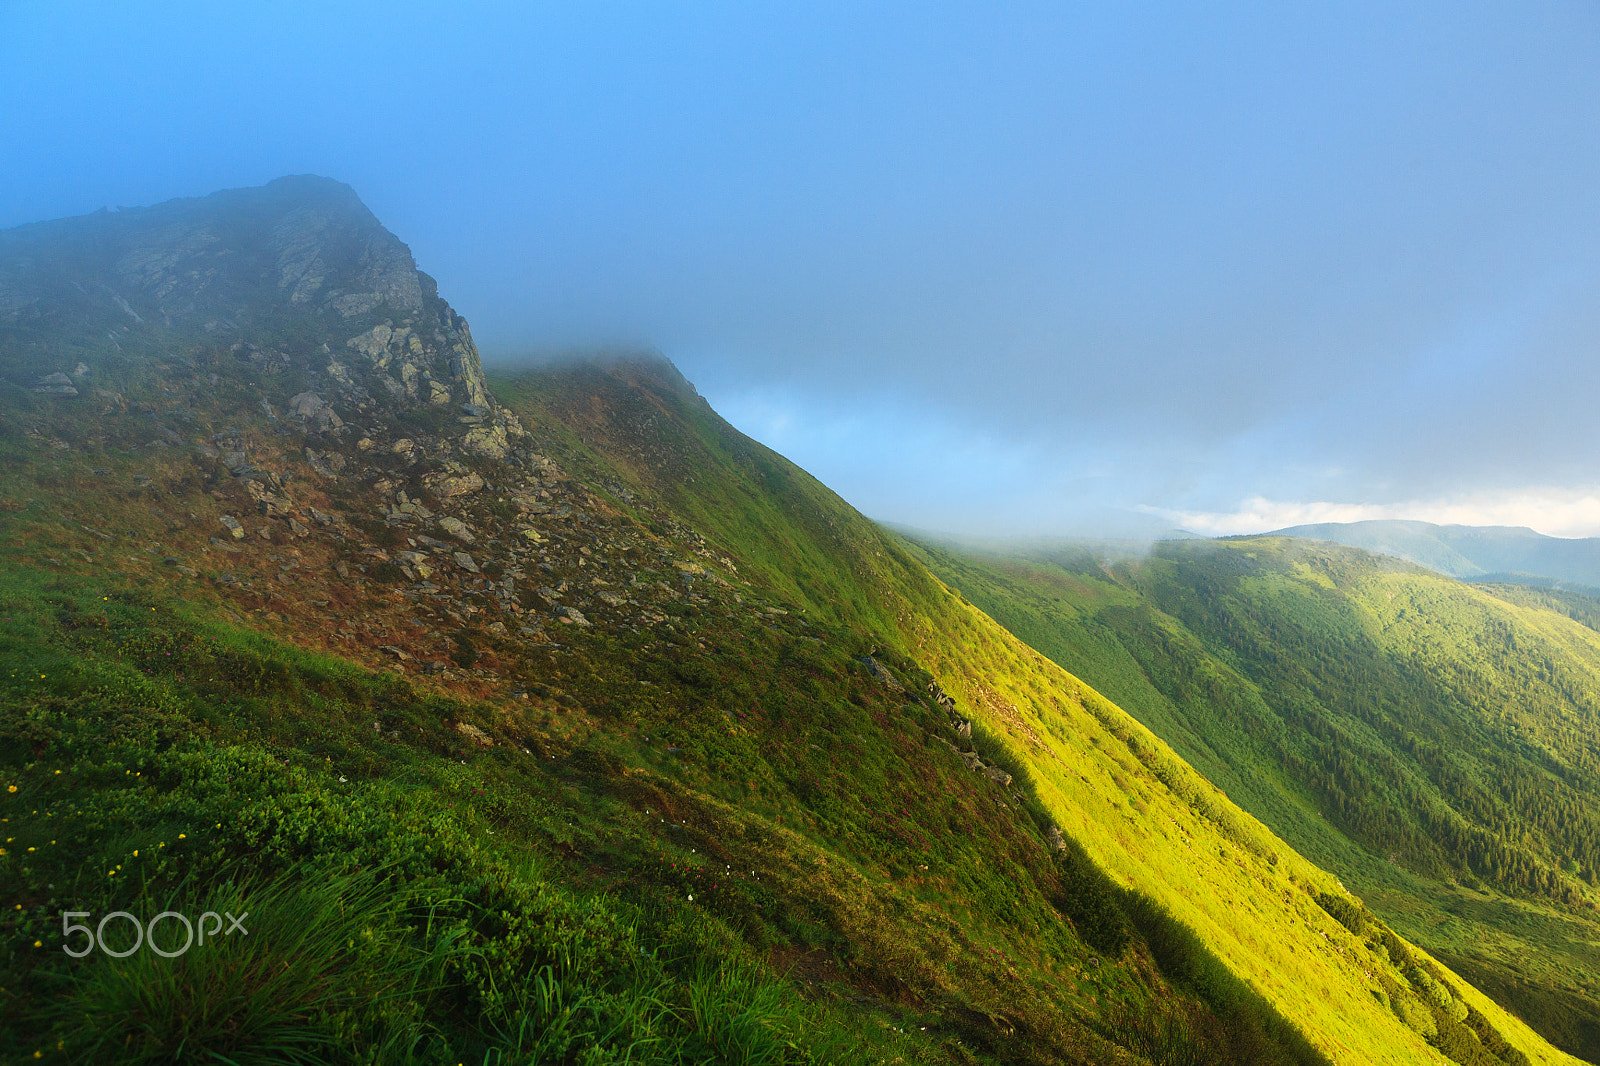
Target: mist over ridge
(1041, 534)
(1031, 267)
(276, 542)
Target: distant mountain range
(1514, 553)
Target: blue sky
(1053, 268)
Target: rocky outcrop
(427, 363)
(55, 385)
(268, 501)
(997, 775)
(310, 408)
(457, 529)
(304, 243)
(327, 466)
(231, 269)
(881, 673)
(336, 414)
(335, 259)
(962, 727)
(456, 482)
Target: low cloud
(1556, 512)
(932, 468)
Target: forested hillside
(1470, 552)
(1436, 744)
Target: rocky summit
(363, 454)
(544, 716)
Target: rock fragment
(55, 385)
(457, 529)
(474, 734)
(447, 485)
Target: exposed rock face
(306, 241)
(328, 465)
(881, 673)
(270, 503)
(572, 615)
(309, 243)
(457, 529)
(454, 483)
(56, 384)
(428, 363)
(331, 413)
(236, 266)
(997, 775)
(473, 733)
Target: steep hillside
(869, 569)
(558, 720)
(1513, 552)
(1432, 742)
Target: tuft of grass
(314, 956)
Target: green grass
(386, 922)
(857, 893)
(1423, 738)
(415, 898)
(1077, 749)
(319, 951)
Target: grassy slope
(181, 760)
(903, 889)
(1430, 741)
(1135, 807)
(699, 830)
(171, 753)
(220, 721)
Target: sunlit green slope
(551, 719)
(716, 837)
(1436, 744)
(1137, 809)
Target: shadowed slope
(1137, 810)
(586, 677)
(1433, 742)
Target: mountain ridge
(1468, 552)
(584, 635)
(1352, 702)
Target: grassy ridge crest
(1097, 770)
